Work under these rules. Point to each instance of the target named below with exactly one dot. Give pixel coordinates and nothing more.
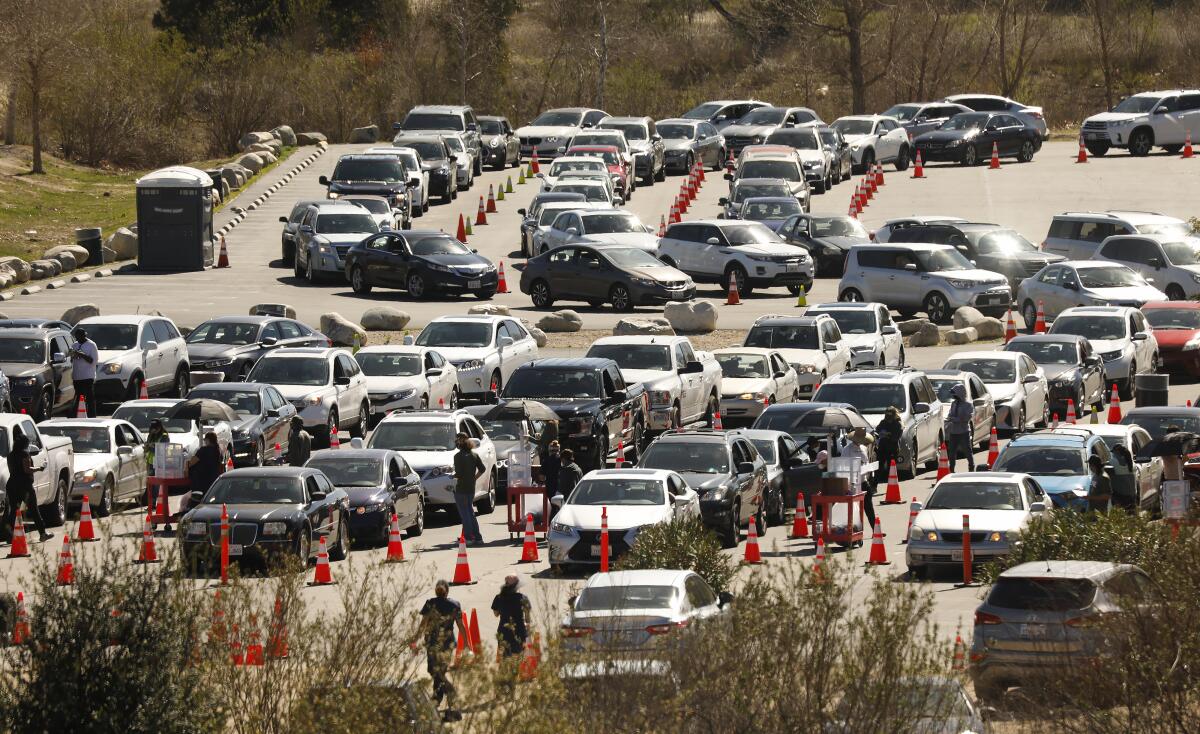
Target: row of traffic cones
(866, 189)
(1187, 152)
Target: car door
(1092, 370)
(64, 385)
(692, 399)
(713, 256)
(748, 483)
(682, 247)
(318, 507)
(525, 348)
(131, 467)
(43, 483)
(347, 406)
(839, 356)
(890, 334)
(283, 418)
(1150, 468)
(486, 451)
(372, 257)
(892, 136)
(446, 380)
(1065, 295)
(710, 144)
(152, 357)
(985, 407)
(1146, 349)
(1036, 393)
(592, 275)
(926, 425)
(902, 286)
(511, 144)
(786, 382)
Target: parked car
(724, 468)
(770, 211)
(381, 211)
(814, 156)
(38, 374)
(786, 167)
(109, 463)
(1015, 381)
(827, 239)
(746, 188)
(1073, 370)
(1027, 114)
(426, 441)
(1156, 420)
(812, 345)
(34, 323)
(325, 385)
(921, 117)
(498, 142)
(841, 159)
(1141, 483)
(379, 485)
(486, 350)
(418, 174)
(437, 161)
(1170, 264)
(619, 170)
(752, 379)
(407, 377)
(875, 139)
(1120, 335)
(683, 385)
(722, 113)
(379, 175)
(624, 276)
(551, 129)
(598, 141)
(868, 329)
(1139, 122)
(593, 189)
(548, 215)
(1070, 283)
(1078, 235)
(782, 455)
(999, 506)
(938, 705)
(451, 119)
(600, 227)
(464, 160)
(291, 226)
(273, 511)
(187, 433)
(264, 417)
(531, 216)
(686, 142)
(936, 279)
(884, 232)
(984, 418)
(1175, 326)
(631, 499)
(422, 262)
(645, 144)
(990, 246)
(721, 251)
(326, 234)
(137, 350)
(225, 348)
(566, 166)
(970, 137)
(756, 125)
(1058, 460)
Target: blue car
(1058, 460)
(421, 262)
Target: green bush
(681, 544)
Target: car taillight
(1042, 246)
(986, 618)
(1079, 622)
(569, 631)
(1031, 113)
(662, 629)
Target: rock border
(261, 198)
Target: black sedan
(379, 482)
(623, 276)
(968, 138)
(230, 345)
(262, 422)
(273, 511)
(421, 262)
(1074, 371)
(827, 239)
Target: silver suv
(325, 384)
(1077, 235)
(646, 145)
(1170, 263)
(936, 279)
(455, 118)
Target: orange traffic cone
(893, 488)
(818, 565)
(958, 662)
(527, 669)
(856, 201)
(529, 550)
(20, 630)
(753, 556)
(143, 393)
(943, 462)
(717, 424)
(995, 162)
(662, 225)
(81, 408)
(277, 633)
(1081, 156)
(682, 200)
(223, 257)
(501, 281)
(871, 180)
(674, 218)
(462, 569)
(879, 175)
(604, 545)
(1187, 145)
(1010, 329)
(1039, 326)
(865, 187)
(254, 648)
(733, 299)
(913, 511)
(1054, 421)
(993, 448)
(878, 555)
(85, 532)
(335, 440)
(533, 162)
(462, 229)
(162, 511)
(66, 564)
(322, 575)
(620, 461)
(491, 200)
(1114, 406)
(1071, 411)
(147, 553)
(480, 216)
(20, 545)
(395, 547)
(476, 640)
(919, 167)
(853, 210)
(800, 520)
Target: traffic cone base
(1010, 329)
(1082, 155)
(491, 200)
(462, 229)
(81, 408)
(734, 298)
(919, 168)
(462, 569)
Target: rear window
(1044, 595)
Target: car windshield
(763, 116)
(1173, 318)
(700, 457)
(703, 111)
(113, 336)
(1114, 276)
(1041, 459)
(750, 233)
(902, 112)
(312, 371)
(383, 168)
(802, 138)
(602, 598)
(427, 149)
(992, 371)
(786, 170)
(558, 168)
(243, 402)
(433, 121)
(611, 223)
(592, 192)
(1177, 229)
(743, 191)
(84, 439)
(631, 257)
(454, 144)
(455, 334)
(255, 490)
(141, 415)
(346, 224)
(857, 321)
(829, 136)
(553, 382)
(559, 118)
(1042, 595)
(783, 337)
(375, 206)
(771, 210)
(548, 214)
(855, 127)
(1047, 352)
(634, 356)
(677, 131)
(1157, 425)
(867, 398)
(766, 448)
(382, 364)
(490, 127)
(743, 366)
(224, 332)
(1182, 253)
(933, 261)
(609, 157)
(31, 351)
(410, 162)
(1137, 104)
(632, 130)
(1001, 242)
(966, 121)
(618, 492)
(1096, 328)
(838, 227)
(975, 496)
(413, 436)
(349, 471)
(437, 245)
(503, 430)
(612, 138)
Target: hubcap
(620, 298)
(416, 286)
(358, 280)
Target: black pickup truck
(591, 400)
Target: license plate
(956, 555)
(474, 283)
(1094, 136)
(235, 549)
(596, 551)
(1033, 631)
(793, 267)
(678, 296)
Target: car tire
(868, 158)
(287, 252)
(1097, 149)
(134, 389)
(932, 463)
(1029, 315)
(182, 384)
(539, 293)
(497, 381)
(358, 281)
(1141, 141)
(341, 548)
(902, 158)
(970, 156)
(55, 513)
(775, 514)
(1017, 424)
(416, 286)
(487, 505)
(820, 187)
(1175, 292)
(1127, 388)
(917, 573)
(738, 273)
(360, 426)
(691, 161)
(1025, 155)
(418, 526)
(259, 455)
(937, 308)
(45, 406)
(901, 359)
(620, 299)
(304, 545)
(297, 268)
(312, 277)
(104, 506)
(731, 534)
(485, 295)
(710, 411)
(851, 295)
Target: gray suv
(688, 141)
(646, 145)
(455, 118)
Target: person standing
(20, 487)
(468, 468)
(440, 616)
(550, 464)
(569, 473)
(206, 465)
(959, 424)
(1099, 493)
(84, 356)
(887, 449)
(299, 443)
(856, 445)
(513, 610)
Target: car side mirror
(728, 176)
(618, 396)
(983, 466)
(58, 358)
(572, 230)
(318, 495)
(124, 451)
(723, 201)
(1031, 379)
(910, 267)
(306, 228)
(920, 408)
(149, 346)
(745, 467)
(323, 180)
(829, 348)
(889, 330)
(1071, 285)
(557, 502)
(1141, 336)
(341, 380)
(522, 212)
(433, 372)
(682, 500)
(979, 402)
(1037, 507)
(196, 497)
(778, 374)
(272, 412)
(656, 137)
(269, 341)
(593, 264)
(474, 442)
(1161, 110)
(618, 201)
(411, 183)
(712, 241)
(283, 219)
(397, 126)
(724, 599)
(504, 341)
(691, 368)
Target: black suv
(725, 470)
(39, 373)
(376, 174)
(992, 246)
(437, 159)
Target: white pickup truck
(682, 385)
(53, 466)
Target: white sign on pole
(1176, 497)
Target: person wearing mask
(569, 473)
(857, 444)
(959, 427)
(513, 611)
(441, 616)
(468, 468)
(299, 443)
(887, 449)
(206, 465)
(551, 463)
(1099, 494)
(20, 487)
(84, 356)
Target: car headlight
(1110, 356)
(558, 527)
(440, 471)
(333, 194)
(550, 140)
(643, 281)
(956, 283)
(470, 364)
(197, 528)
(863, 348)
(1193, 343)
(274, 528)
(25, 381)
(954, 143)
(85, 477)
(112, 368)
(995, 536)
(403, 394)
(439, 267)
(751, 396)
(931, 536)
(324, 249)
(218, 362)
(313, 400)
(762, 258)
(1196, 277)
(802, 369)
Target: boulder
(109, 255)
(560, 321)
(267, 157)
(650, 326)
(75, 314)
(965, 335)
(273, 308)
(384, 318)
(66, 261)
(251, 138)
(231, 177)
(286, 135)
(42, 269)
(251, 162)
(260, 147)
(990, 328)
(966, 316)
(368, 134)
(341, 330)
(538, 335)
(6, 279)
(490, 309)
(909, 327)
(692, 317)
(310, 138)
(925, 336)
(123, 243)
(19, 268)
(79, 251)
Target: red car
(612, 159)
(1176, 326)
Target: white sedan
(110, 461)
(752, 378)
(407, 377)
(1015, 382)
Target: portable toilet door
(175, 208)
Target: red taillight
(662, 629)
(568, 631)
(986, 618)
(1032, 113)
(1078, 622)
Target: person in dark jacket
(20, 487)
(299, 443)
(569, 473)
(551, 462)
(960, 422)
(887, 447)
(206, 465)
(441, 616)
(513, 610)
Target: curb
(272, 189)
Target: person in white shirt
(84, 356)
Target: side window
(884, 316)
(171, 330)
(1116, 250)
(561, 222)
(699, 595)
(870, 259)
(128, 436)
(271, 330)
(617, 380)
(518, 332)
(162, 334)
(1064, 229)
(709, 231)
(680, 358)
(688, 354)
(311, 485)
(787, 447)
(1069, 277)
(289, 329)
(1189, 102)
(609, 387)
(977, 388)
(686, 232)
(30, 433)
(589, 259)
(298, 212)
(1171, 103)
(339, 366)
(60, 346)
(1095, 231)
(926, 391)
(147, 335)
(562, 256)
(1050, 276)
(594, 116)
(1139, 320)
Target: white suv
(1170, 263)
(485, 349)
(717, 250)
(812, 345)
(1077, 235)
(1120, 335)
(326, 385)
(1142, 121)
(868, 329)
(875, 139)
(137, 350)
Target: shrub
(684, 544)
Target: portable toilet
(174, 210)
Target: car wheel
(539, 293)
(134, 389)
(331, 428)
(104, 506)
(970, 156)
(55, 513)
(310, 275)
(42, 410)
(937, 309)
(620, 298)
(358, 281)
(731, 534)
(820, 187)
(710, 411)
(360, 426)
(259, 455)
(868, 158)
(297, 268)
(485, 295)
(416, 287)
(850, 295)
(1017, 422)
(902, 158)
(341, 548)
(304, 545)
(760, 518)
(418, 526)
(182, 384)
(488, 504)
(453, 404)
(775, 508)
(1127, 389)
(909, 469)
(932, 463)
(1026, 153)
(1175, 292)
(691, 161)
(1097, 149)
(736, 273)
(916, 572)
(1029, 315)
(1140, 142)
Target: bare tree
(10, 114)
(1018, 28)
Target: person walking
(551, 463)
(887, 448)
(569, 473)
(206, 465)
(468, 468)
(299, 443)
(84, 356)
(959, 427)
(440, 616)
(20, 487)
(1099, 494)
(514, 613)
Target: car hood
(367, 187)
(989, 520)
(468, 260)
(1060, 371)
(771, 224)
(547, 131)
(704, 482)
(1057, 484)
(842, 242)
(1102, 346)
(1117, 117)
(977, 275)
(420, 460)
(360, 496)
(815, 357)
(568, 407)
(663, 273)
(945, 136)
(746, 131)
(1002, 392)
(352, 238)
(739, 385)
(811, 155)
(117, 355)
(1166, 338)
(429, 165)
(678, 144)
(774, 248)
(84, 462)
(647, 376)
(212, 351)
(459, 354)
(641, 240)
(296, 392)
(21, 369)
(246, 513)
(620, 517)
(1142, 293)
(487, 139)
(245, 424)
(860, 340)
(386, 384)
